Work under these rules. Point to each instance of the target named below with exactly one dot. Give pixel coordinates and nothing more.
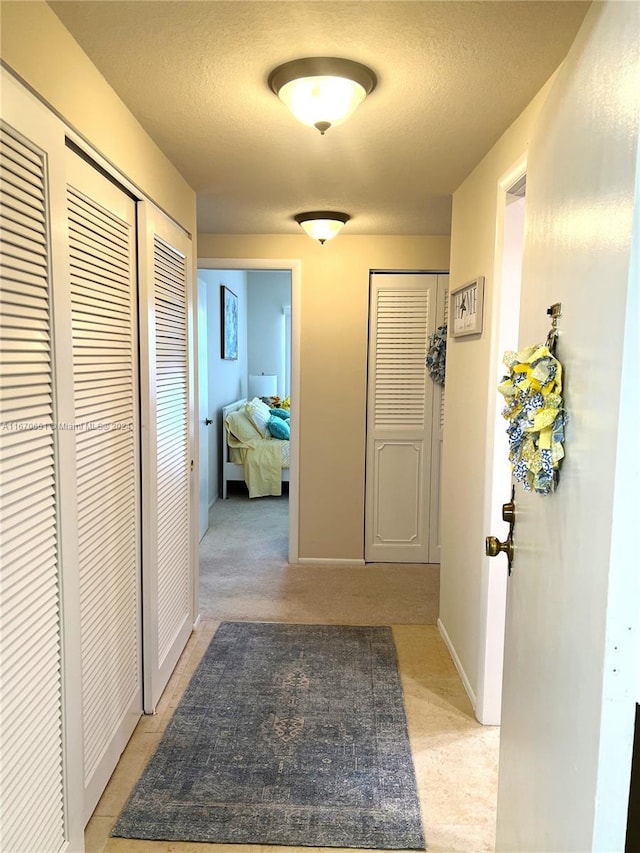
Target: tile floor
(455, 757)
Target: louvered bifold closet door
(399, 418)
(102, 248)
(31, 745)
(173, 443)
(168, 547)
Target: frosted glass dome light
(322, 91)
(322, 225)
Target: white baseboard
(463, 675)
(197, 622)
(211, 503)
(327, 561)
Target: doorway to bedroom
(256, 357)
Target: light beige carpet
(244, 575)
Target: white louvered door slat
(173, 432)
(168, 558)
(31, 748)
(102, 249)
(399, 418)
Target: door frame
(294, 266)
(200, 325)
(493, 596)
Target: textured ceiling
(452, 76)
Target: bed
(260, 462)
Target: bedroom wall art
(229, 315)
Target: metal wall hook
(554, 311)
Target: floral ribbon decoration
(536, 415)
(437, 354)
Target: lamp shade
(322, 225)
(263, 386)
(322, 91)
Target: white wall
(227, 379)
(268, 292)
(470, 402)
(45, 55)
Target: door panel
(570, 666)
(399, 417)
(167, 451)
(398, 461)
(101, 221)
(32, 748)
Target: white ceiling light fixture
(322, 225)
(322, 91)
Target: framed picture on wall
(465, 308)
(229, 315)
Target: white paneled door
(168, 457)
(400, 413)
(571, 645)
(101, 220)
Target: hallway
(244, 575)
(455, 758)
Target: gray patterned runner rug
(286, 734)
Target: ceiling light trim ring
(321, 214)
(322, 66)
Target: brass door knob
(493, 547)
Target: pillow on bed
(279, 428)
(280, 413)
(241, 427)
(259, 414)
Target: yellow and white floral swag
(536, 415)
